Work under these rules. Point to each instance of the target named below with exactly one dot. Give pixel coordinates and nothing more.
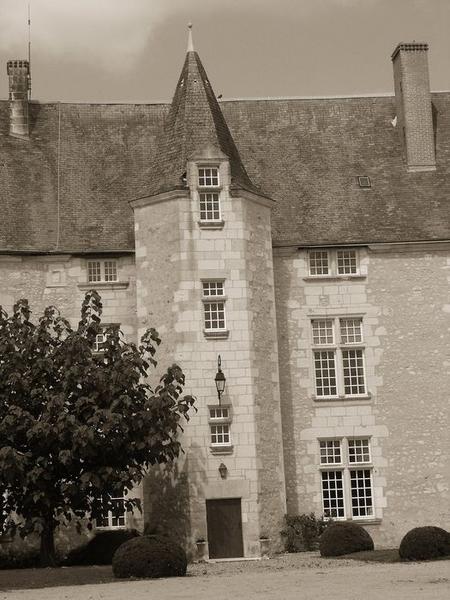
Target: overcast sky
(133, 50)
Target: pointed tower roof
(195, 127)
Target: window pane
(322, 331)
(214, 315)
(325, 370)
(213, 288)
(330, 452)
(332, 494)
(353, 364)
(318, 262)
(218, 412)
(99, 343)
(347, 262)
(110, 270)
(358, 450)
(220, 434)
(351, 331)
(115, 517)
(209, 206)
(208, 177)
(94, 271)
(361, 488)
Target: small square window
(347, 262)
(351, 331)
(217, 413)
(364, 182)
(102, 271)
(359, 450)
(330, 452)
(208, 177)
(220, 435)
(322, 330)
(213, 288)
(318, 262)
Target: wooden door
(224, 520)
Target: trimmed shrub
(302, 532)
(20, 559)
(425, 543)
(344, 538)
(150, 557)
(100, 549)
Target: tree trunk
(47, 553)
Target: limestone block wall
(173, 256)
(403, 297)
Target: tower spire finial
(190, 46)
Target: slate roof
(305, 154)
(194, 123)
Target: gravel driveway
(301, 577)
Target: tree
(78, 427)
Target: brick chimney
(414, 110)
(19, 84)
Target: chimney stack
(19, 85)
(413, 100)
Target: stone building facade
(305, 241)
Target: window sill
(365, 399)
(104, 285)
(216, 335)
(221, 449)
(368, 521)
(334, 277)
(211, 224)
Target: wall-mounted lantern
(223, 470)
(220, 379)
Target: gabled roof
(195, 124)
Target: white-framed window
(209, 206)
(208, 177)
(115, 517)
(338, 357)
(220, 426)
(214, 305)
(102, 271)
(209, 195)
(330, 262)
(346, 478)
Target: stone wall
(402, 295)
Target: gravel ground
(303, 576)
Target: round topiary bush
(425, 543)
(151, 557)
(100, 549)
(344, 538)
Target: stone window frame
(329, 351)
(343, 471)
(218, 299)
(326, 263)
(225, 421)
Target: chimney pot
(19, 85)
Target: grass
(380, 556)
(40, 578)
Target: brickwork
(403, 300)
(414, 108)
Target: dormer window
(208, 177)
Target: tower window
(209, 206)
(208, 177)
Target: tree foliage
(78, 427)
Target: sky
(133, 50)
